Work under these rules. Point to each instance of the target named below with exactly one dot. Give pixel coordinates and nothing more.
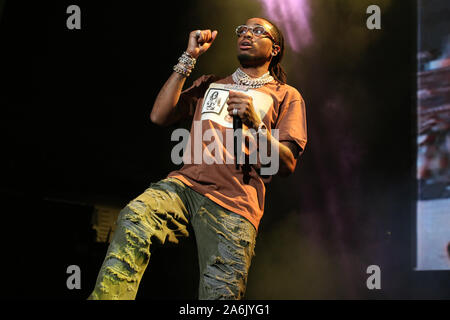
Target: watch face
(262, 126)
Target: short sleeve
(291, 121)
(189, 97)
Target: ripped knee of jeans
(160, 225)
(225, 276)
(129, 251)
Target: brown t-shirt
(239, 190)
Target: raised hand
(200, 41)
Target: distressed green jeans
(225, 242)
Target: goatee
(247, 60)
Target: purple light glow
(293, 18)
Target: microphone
(237, 124)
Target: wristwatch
(262, 128)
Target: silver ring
(235, 112)
(198, 33)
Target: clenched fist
(200, 41)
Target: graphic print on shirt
(214, 100)
(214, 106)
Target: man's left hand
(244, 104)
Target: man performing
(223, 203)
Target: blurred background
(78, 143)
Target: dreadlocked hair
(275, 68)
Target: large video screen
(433, 158)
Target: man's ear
(275, 49)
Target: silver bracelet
(185, 64)
(182, 69)
(187, 59)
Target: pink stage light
(292, 16)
